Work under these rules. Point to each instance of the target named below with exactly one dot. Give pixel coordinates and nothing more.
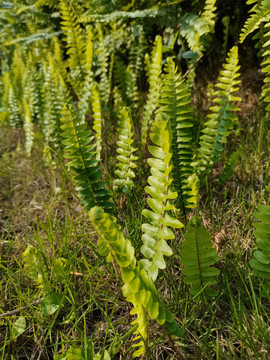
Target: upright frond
(222, 119)
(75, 42)
(80, 151)
(175, 101)
(125, 149)
(154, 88)
(160, 218)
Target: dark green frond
(175, 101)
(197, 255)
(80, 152)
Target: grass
(40, 207)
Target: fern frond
(126, 156)
(154, 87)
(14, 108)
(160, 217)
(103, 56)
(208, 15)
(197, 255)
(265, 95)
(97, 127)
(192, 28)
(226, 24)
(175, 101)
(107, 18)
(52, 103)
(221, 121)
(136, 63)
(120, 78)
(138, 287)
(28, 128)
(75, 42)
(260, 14)
(229, 167)
(87, 84)
(82, 162)
(261, 262)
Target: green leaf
(18, 327)
(51, 303)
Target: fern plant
(160, 218)
(197, 255)
(80, 151)
(261, 262)
(126, 156)
(222, 119)
(138, 287)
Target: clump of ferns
(125, 149)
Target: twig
(189, 70)
(16, 311)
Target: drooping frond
(160, 218)
(261, 262)
(197, 255)
(107, 18)
(80, 151)
(138, 287)
(260, 14)
(126, 156)
(175, 101)
(221, 121)
(154, 87)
